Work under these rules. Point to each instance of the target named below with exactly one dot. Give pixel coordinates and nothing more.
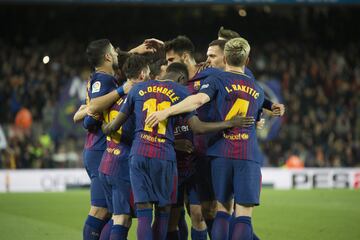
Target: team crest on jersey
(197, 85)
(204, 86)
(96, 87)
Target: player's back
(148, 97)
(234, 94)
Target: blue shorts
(153, 180)
(189, 188)
(240, 179)
(92, 161)
(204, 179)
(118, 193)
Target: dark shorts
(153, 180)
(240, 179)
(188, 188)
(92, 161)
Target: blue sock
(92, 228)
(183, 228)
(209, 225)
(173, 235)
(255, 237)
(160, 226)
(198, 235)
(220, 230)
(242, 229)
(144, 224)
(231, 225)
(119, 232)
(105, 232)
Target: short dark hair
(179, 45)
(178, 68)
(96, 50)
(133, 65)
(227, 34)
(218, 42)
(155, 67)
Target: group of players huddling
(165, 134)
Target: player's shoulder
(100, 76)
(207, 72)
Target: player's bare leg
(99, 212)
(121, 225)
(208, 209)
(173, 229)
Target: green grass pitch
(290, 215)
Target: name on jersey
(152, 139)
(163, 90)
(240, 136)
(243, 88)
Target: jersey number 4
(240, 108)
(152, 106)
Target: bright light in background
(242, 12)
(46, 59)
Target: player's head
(236, 52)
(177, 72)
(136, 68)
(227, 34)
(102, 53)
(180, 49)
(158, 69)
(215, 54)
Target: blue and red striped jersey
(118, 144)
(99, 84)
(142, 100)
(234, 94)
(185, 161)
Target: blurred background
(305, 55)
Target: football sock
(198, 235)
(242, 229)
(105, 232)
(92, 228)
(183, 228)
(160, 226)
(119, 232)
(220, 230)
(144, 224)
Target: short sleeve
(101, 86)
(209, 86)
(128, 106)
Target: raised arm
(200, 127)
(80, 114)
(189, 104)
(114, 125)
(99, 104)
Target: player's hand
(184, 145)
(94, 115)
(242, 122)
(154, 43)
(278, 109)
(143, 48)
(154, 118)
(127, 86)
(203, 66)
(260, 124)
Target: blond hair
(237, 51)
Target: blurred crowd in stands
(320, 85)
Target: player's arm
(80, 113)
(114, 125)
(200, 127)
(99, 104)
(189, 104)
(148, 46)
(91, 124)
